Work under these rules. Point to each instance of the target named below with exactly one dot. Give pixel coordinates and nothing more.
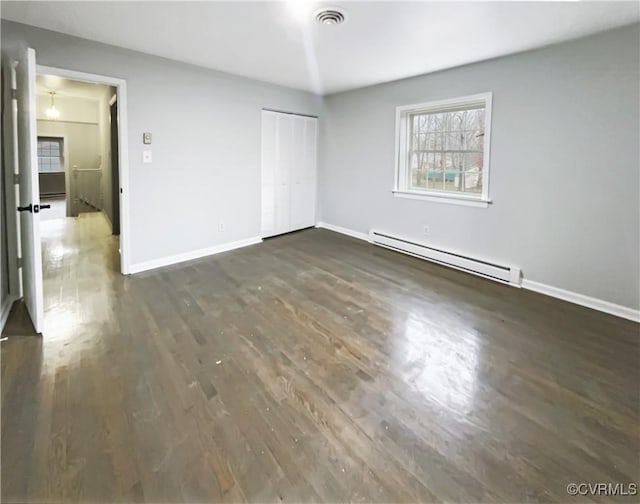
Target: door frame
(123, 149)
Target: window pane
(473, 173)
(419, 163)
(451, 180)
(456, 120)
(474, 119)
(436, 141)
(437, 122)
(419, 179)
(420, 123)
(435, 179)
(50, 155)
(445, 150)
(455, 140)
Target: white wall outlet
(146, 156)
(221, 227)
(426, 230)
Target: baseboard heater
(500, 273)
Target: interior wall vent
(500, 273)
(330, 16)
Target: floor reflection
(312, 363)
(440, 361)
(57, 208)
(78, 272)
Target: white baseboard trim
(581, 299)
(4, 311)
(344, 231)
(548, 290)
(196, 254)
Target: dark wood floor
(312, 367)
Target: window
(443, 150)
(50, 158)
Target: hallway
(80, 264)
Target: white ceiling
(381, 41)
(45, 84)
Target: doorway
(74, 148)
(115, 179)
(20, 133)
(77, 137)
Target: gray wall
(206, 141)
(564, 164)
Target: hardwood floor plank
(310, 368)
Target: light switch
(146, 138)
(146, 156)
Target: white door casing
(123, 148)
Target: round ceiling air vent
(330, 16)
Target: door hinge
(19, 261)
(14, 94)
(16, 179)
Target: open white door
(29, 204)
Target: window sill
(444, 198)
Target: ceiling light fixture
(52, 112)
(330, 16)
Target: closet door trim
(277, 224)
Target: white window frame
(401, 187)
(61, 143)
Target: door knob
(32, 208)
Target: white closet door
(284, 168)
(288, 172)
(269, 160)
(298, 176)
(308, 212)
